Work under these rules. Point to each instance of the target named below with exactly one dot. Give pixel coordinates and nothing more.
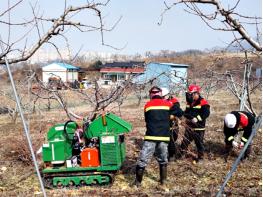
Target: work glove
(172, 117)
(241, 145)
(235, 144)
(194, 120)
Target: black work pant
(197, 136)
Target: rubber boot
(139, 175)
(163, 173)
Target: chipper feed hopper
(83, 156)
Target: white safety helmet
(230, 120)
(165, 91)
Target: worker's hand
(241, 145)
(235, 144)
(194, 120)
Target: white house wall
(47, 74)
(57, 70)
(66, 76)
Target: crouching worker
(235, 122)
(157, 113)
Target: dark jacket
(231, 132)
(176, 107)
(157, 117)
(199, 109)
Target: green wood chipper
(91, 154)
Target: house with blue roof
(66, 72)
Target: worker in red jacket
(235, 122)
(174, 127)
(157, 113)
(196, 112)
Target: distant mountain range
(44, 56)
(237, 47)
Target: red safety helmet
(194, 88)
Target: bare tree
(98, 98)
(232, 81)
(17, 49)
(231, 20)
(42, 30)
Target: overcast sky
(139, 31)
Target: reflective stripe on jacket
(245, 122)
(199, 109)
(157, 115)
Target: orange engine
(90, 157)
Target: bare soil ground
(17, 177)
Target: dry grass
(184, 177)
